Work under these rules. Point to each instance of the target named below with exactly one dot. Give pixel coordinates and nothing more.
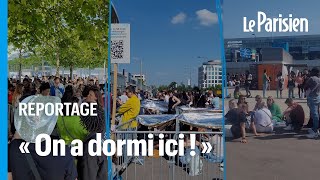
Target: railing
(202, 166)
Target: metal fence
(202, 166)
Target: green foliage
(63, 32)
(214, 88)
(182, 87)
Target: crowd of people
(68, 128)
(294, 81)
(266, 115)
(194, 99)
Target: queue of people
(294, 81)
(68, 128)
(194, 99)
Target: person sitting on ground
(294, 115)
(242, 101)
(274, 109)
(258, 99)
(262, 120)
(233, 113)
(237, 118)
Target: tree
(64, 32)
(172, 85)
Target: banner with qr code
(120, 43)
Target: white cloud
(206, 17)
(179, 18)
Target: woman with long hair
(17, 95)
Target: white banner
(120, 43)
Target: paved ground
(279, 156)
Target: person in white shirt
(166, 97)
(123, 98)
(263, 119)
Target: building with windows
(303, 47)
(210, 74)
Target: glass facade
(305, 47)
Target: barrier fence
(202, 166)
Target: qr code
(117, 49)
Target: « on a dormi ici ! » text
(110, 147)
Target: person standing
(299, 81)
(131, 109)
(313, 100)
(248, 80)
(280, 81)
(173, 103)
(123, 98)
(265, 82)
(57, 89)
(44, 89)
(291, 85)
(306, 76)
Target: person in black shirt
(248, 80)
(237, 118)
(49, 167)
(173, 103)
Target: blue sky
(169, 36)
(235, 10)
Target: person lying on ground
(294, 115)
(262, 119)
(274, 109)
